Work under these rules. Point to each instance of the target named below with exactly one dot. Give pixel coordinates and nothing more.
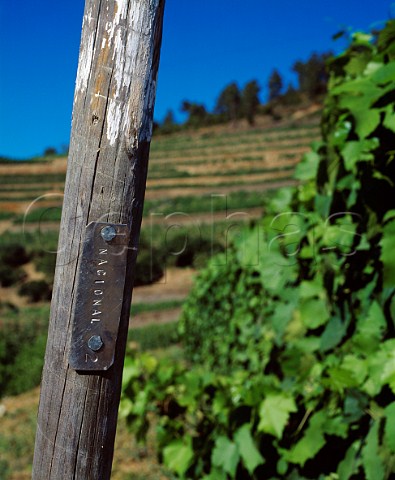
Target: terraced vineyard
(186, 170)
(196, 179)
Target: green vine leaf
(385, 74)
(226, 455)
(372, 463)
(349, 465)
(389, 431)
(307, 168)
(311, 443)
(370, 329)
(248, 451)
(389, 119)
(313, 312)
(178, 455)
(387, 254)
(360, 151)
(274, 414)
(366, 121)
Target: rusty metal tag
(99, 297)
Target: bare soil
(157, 317)
(175, 285)
(58, 165)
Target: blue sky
(206, 44)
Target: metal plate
(100, 286)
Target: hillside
(195, 178)
(187, 173)
(216, 160)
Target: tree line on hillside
(235, 103)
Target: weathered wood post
(105, 185)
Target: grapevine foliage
(290, 336)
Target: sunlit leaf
(384, 74)
(370, 328)
(387, 254)
(274, 414)
(307, 168)
(366, 121)
(389, 119)
(311, 442)
(226, 455)
(215, 474)
(178, 455)
(333, 334)
(248, 451)
(389, 431)
(372, 463)
(349, 465)
(313, 312)
(360, 151)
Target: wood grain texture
(106, 176)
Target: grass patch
(245, 184)
(138, 308)
(228, 148)
(6, 215)
(21, 197)
(23, 333)
(29, 188)
(33, 242)
(206, 203)
(205, 155)
(177, 142)
(18, 426)
(41, 214)
(38, 178)
(158, 171)
(155, 336)
(227, 173)
(247, 137)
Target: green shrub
(13, 255)
(36, 290)
(40, 215)
(10, 275)
(291, 344)
(22, 344)
(4, 469)
(149, 265)
(155, 336)
(45, 262)
(190, 250)
(28, 365)
(41, 250)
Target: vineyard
(262, 331)
(202, 184)
(188, 167)
(288, 340)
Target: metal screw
(108, 233)
(95, 343)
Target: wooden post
(106, 176)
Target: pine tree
(275, 85)
(250, 100)
(312, 74)
(229, 102)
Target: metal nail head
(108, 233)
(95, 343)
